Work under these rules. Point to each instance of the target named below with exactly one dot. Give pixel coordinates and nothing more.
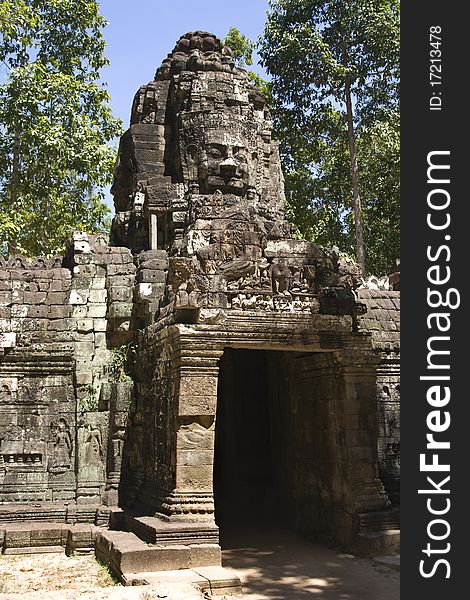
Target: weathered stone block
(5, 298)
(120, 294)
(153, 255)
(59, 285)
(197, 478)
(97, 296)
(5, 285)
(84, 337)
(205, 555)
(56, 298)
(143, 291)
(60, 324)
(5, 312)
(198, 386)
(60, 312)
(84, 377)
(62, 274)
(178, 217)
(195, 436)
(190, 405)
(120, 310)
(41, 311)
(96, 311)
(28, 298)
(150, 276)
(122, 269)
(84, 349)
(98, 283)
(102, 356)
(7, 340)
(195, 457)
(286, 247)
(79, 312)
(100, 339)
(99, 324)
(5, 324)
(17, 296)
(120, 281)
(78, 296)
(85, 325)
(79, 539)
(156, 264)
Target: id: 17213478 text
(435, 67)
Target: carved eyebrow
(217, 146)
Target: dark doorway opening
(244, 481)
(278, 451)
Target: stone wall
(382, 320)
(60, 319)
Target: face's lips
(236, 182)
(229, 180)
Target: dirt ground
(34, 572)
(277, 564)
(273, 565)
(58, 577)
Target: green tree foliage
(55, 124)
(335, 77)
(243, 48)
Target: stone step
(49, 512)
(35, 550)
(125, 553)
(215, 580)
(378, 543)
(155, 531)
(27, 537)
(221, 581)
(33, 534)
(392, 562)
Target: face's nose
(228, 167)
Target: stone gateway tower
(235, 370)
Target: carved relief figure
(94, 447)
(60, 461)
(281, 277)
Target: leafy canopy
(56, 124)
(243, 48)
(311, 49)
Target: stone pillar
(116, 397)
(358, 418)
(192, 498)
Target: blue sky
(141, 33)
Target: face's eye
(215, 151)
(240, 154)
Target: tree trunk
(354, 173)
(16, 165)
(14, 182)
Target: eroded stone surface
(111, 357)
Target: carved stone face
(224, 162)
(227, 168)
